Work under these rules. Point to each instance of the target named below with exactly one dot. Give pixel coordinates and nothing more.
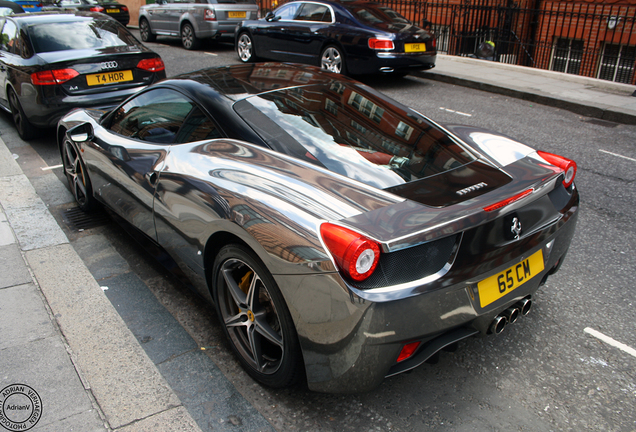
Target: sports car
(341, 236)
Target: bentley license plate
(109, 77)
(497, 286)
(236, 14)
(414, 47)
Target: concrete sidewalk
(61, 337)
(590, 97)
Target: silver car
(194, 20)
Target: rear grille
(410, 264)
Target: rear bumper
(387, 62)
(351, 340)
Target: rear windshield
(84, 34)
(375, 14)
(354, 132)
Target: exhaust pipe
(498, 324)
(524, 306)
(511, 314)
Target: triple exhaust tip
(511, 315)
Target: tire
(332, 60)
(77, 176)
(255, 318)
(146, 33)
(189, 40)
(24, 127)
(245, 48)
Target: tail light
(567, 165)
(97, 9)
(151, 64)
(53, 77)
(381, 44)
(407, 351)
(209, 15)
(434, 42)
(124, 8)
(356, 255)
(508, 201)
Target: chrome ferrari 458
(341, 236)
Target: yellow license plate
(28, 6)
(109, 77)
(236, 14)
(112, 10)
(497, 286)
(414, 47)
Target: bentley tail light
(97, 9)
(53, 77)
(381, 44)
(508, 201)
(209, 15)
(356, 255)
(567, 165)
(151, 64)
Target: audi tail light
(151, 64)
(567, 165)
(97, 9)
(381, 44)
(124, 8)
(356, 255)
(52, 77)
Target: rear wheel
(245, 48)
(77, 177)
(24, 127)
(255, 318)
(332, 60)
(189, 40)
(144, 30)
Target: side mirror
(271, 17)
(81, 133)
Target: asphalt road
(543, 373)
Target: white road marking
(456, 112)
(52, 167)
(608, 340)
(212, 54)
(617, 155)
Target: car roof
(55, 16)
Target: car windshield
(353, 132)
(84, 34)
(373, 15)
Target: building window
(404, 131)
(617, 63)
(331, 107)
(366, 107)
(567, 55)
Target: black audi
(52, 62)
(349, 37)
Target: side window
(287, 12)
(314, 12)
(154, 116)
(8, 38)
(197, 127)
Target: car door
(306, 32)
(158, 16)
(126, 157)
(272, 37)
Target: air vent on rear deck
(79, 220)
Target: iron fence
(589, 39)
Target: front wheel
(332, 60)
(245, 48)
(255, 318)
(145, 32)
(189, 40)
(77, 177)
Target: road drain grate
(78, 220)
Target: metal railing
(589, 39)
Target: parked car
(342, 236)
(111, 8)
(9, 8)
(349, 37)
(194, 21)
(30, 5)
(52, 62)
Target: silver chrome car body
(205, 194)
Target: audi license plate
(109, 77)
(414, 47)
(112, 10)
(236, 14)
(497, 286)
